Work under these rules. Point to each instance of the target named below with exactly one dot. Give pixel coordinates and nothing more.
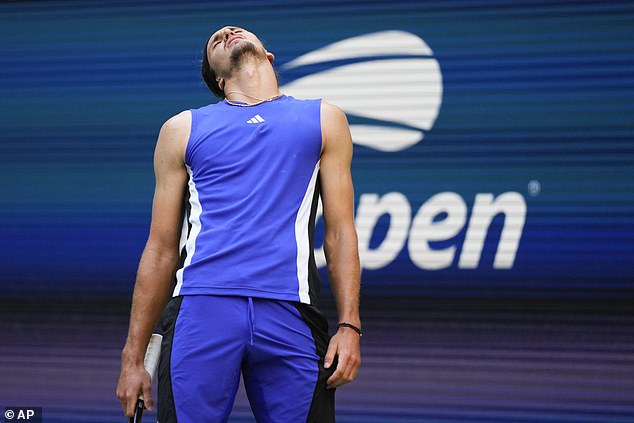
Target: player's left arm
(340, 243)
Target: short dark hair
(209, 75)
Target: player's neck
(254, 80)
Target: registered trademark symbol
(534, 188)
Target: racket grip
(138, 412)
(150, 363)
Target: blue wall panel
(536, 99)
(530, 101)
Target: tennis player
(231, 239)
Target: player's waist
(282, 293)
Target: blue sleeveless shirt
(251, 201)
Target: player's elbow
(340, 236)
(162, 252)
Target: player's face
(224, 41)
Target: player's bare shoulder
(174, 135)
(334, 126)
(332, 115)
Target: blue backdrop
(524, 98)
(494, 157)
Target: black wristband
(351, 326)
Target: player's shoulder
(334, 127)
(180, 122)
(331, 113)
(333, 118)
(174, 135)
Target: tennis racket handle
(138, 412)
(152, 354)
(150, 363)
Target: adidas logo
(256, 119)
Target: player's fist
(133, 381)
(345, 345)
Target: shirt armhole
(192, 137)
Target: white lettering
(485, 208)
(371, 208)
(424, 230)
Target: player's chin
(245, 48)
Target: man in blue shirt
(231, 239)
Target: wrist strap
(351, 326)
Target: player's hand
(345, 345)
(133, 380)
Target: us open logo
(395, 90)
(391, 86)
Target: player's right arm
(159, 259)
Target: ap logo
(388, 81)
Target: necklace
(260, 100)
